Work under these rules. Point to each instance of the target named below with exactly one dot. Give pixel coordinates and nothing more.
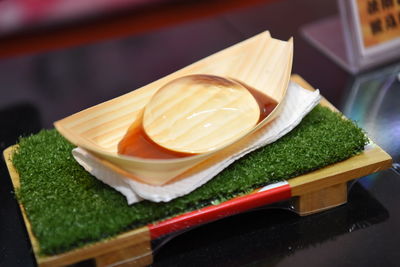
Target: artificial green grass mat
(69, 208)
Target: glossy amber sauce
(136, 142)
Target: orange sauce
(265, 103)
(136, 142)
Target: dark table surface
(38, 89)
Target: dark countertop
(41, 88)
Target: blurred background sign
(366, 33)
(379, 21)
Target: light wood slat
(140, 238)
(369, 161)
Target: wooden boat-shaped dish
(261, 62)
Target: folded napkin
(297, 103)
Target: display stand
(352, 41)
(327, 36)
(310, 193)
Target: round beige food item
(200, 113)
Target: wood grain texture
(138, 238)
(132, 256)
(260, 62)
(320, 200)
(7, 153)
(370, 161)
(318, 190)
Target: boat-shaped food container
(262, 62)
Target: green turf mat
(68, 208)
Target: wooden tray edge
(367, 162)
(142, 236)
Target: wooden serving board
(311, 193)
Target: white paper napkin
(298, 102)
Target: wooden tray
(311, 193)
